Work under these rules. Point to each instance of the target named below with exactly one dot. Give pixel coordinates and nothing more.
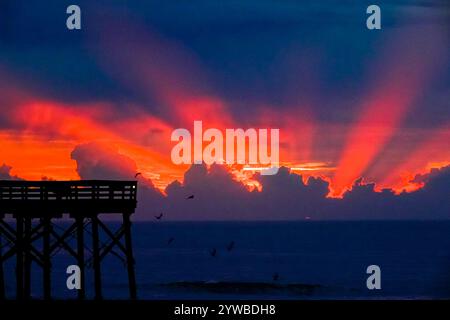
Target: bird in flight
(275, 276)
(190, 197)
(170, 240)
(159, 217)
(137, 174)
(213, 252)
(230, 246)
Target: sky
(364, 115)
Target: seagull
(159, 217)
(190, 197)
(213, 252)
(170, 240)
(136, 175)
(230, 246)
(275, 276)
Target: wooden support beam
(115, 237)
(115, 240)
(129, 253)
(27, 257)
(47, 266)
(80, 255)
(96, 256)
(19, 257)
(2, 275)
(61, 240)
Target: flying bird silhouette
(275, 276)
(230, 246)
(159, 217)
(190, 197)
(213, 252)
(137, 174)
(170, 240)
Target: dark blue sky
(253, 52)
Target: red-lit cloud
(400, 77)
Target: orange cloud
(53, 129)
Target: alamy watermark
(374, 280)
(234, 146)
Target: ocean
(272, 260)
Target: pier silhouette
(29, 211)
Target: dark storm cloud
(5, 173)
(100, 162)
(97, 161)
(430, 202)
(217, 196)
(285, 196)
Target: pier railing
(104, 196)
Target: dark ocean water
(314, 260)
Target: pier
(30, 234)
